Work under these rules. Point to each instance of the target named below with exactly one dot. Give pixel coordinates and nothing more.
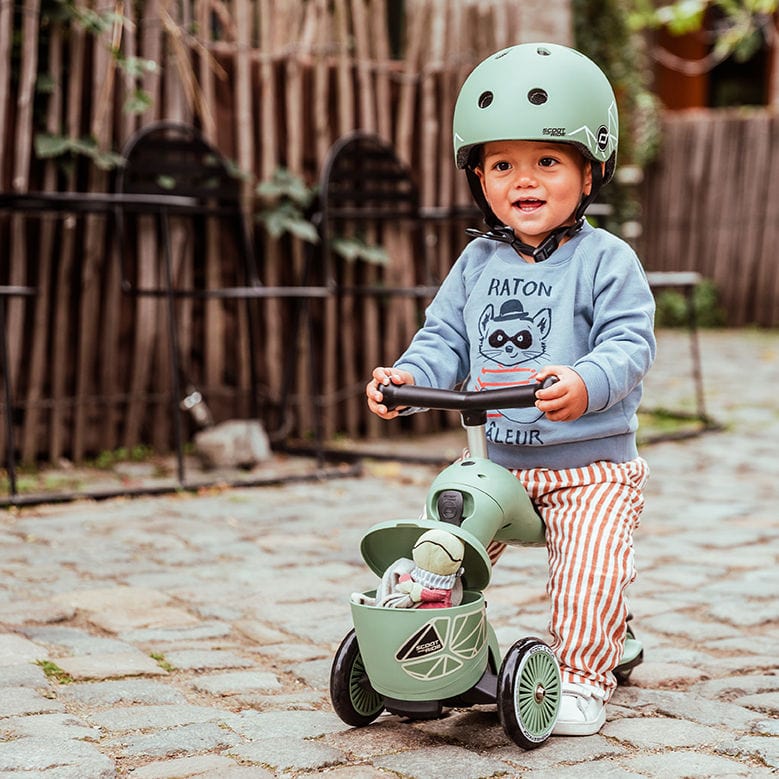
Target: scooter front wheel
(353, 698)
(529, 691)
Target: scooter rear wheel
(353, 698)
(529, 692)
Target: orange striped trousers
(590, 515)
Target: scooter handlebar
(520, 396)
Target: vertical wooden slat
(6, 50)
(61, 414)
(32, 437)
(149, 334)
(15, 308)
(213, 310)
(93, 330)
(767, 276)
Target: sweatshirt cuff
(597, 384)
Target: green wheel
(529, 693)
(354, 700)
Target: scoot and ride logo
(443, 645)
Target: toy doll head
(439, 551)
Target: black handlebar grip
(518, 396)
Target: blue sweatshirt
(497, 320)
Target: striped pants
(590, 515)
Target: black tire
(353, 698)
(529, 691)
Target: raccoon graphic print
(513, 344)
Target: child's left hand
(567, 399)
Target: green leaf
(284, 184)
(47, 146)
(352, 249)
(137, 102)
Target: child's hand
(567, 399)
(373, 390)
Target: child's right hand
(373, 390)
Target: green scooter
(413, 662)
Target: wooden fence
(274, 85)
(711, 204)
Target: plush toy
(430, 580)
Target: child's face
(532, 186)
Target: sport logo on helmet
(603, 137)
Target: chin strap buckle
(539, 253)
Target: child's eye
(547, 162)
(502, 165)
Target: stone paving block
(305, 700)
(24, 675)
(767, 727)
(111, 666)
(732, 687)
(113, 599)
(744, 612)
(237, 682)
(290, 754)
(260, 633)
(688, 627)
(142, 618)
(125, 691)
(18, 701)
(188, 739)
(16, 649)
(668, 676)
(34, 756)
(558, 752)
(286, 724)
(605, 768)
(60, 727)
(664, 733)
(767, 702)
(359, 772)
(199, 766)
(689, 764)
(688, 706)
(205, 659)
(442, 762)
(387, 735)
(470, 727)
(21, 612)
(761, 749)
(77, 641)
(315, 674)
(125, 718)
(198, 631)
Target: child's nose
(525, 178)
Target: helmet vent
(543, 52)
(485, 99)
(537, 96)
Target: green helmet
(538, 92)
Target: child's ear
(587, 180)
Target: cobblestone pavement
(185, 636)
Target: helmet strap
(539, 253)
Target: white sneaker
(582, 711)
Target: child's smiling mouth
(529, 205)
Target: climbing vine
(603, 32)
